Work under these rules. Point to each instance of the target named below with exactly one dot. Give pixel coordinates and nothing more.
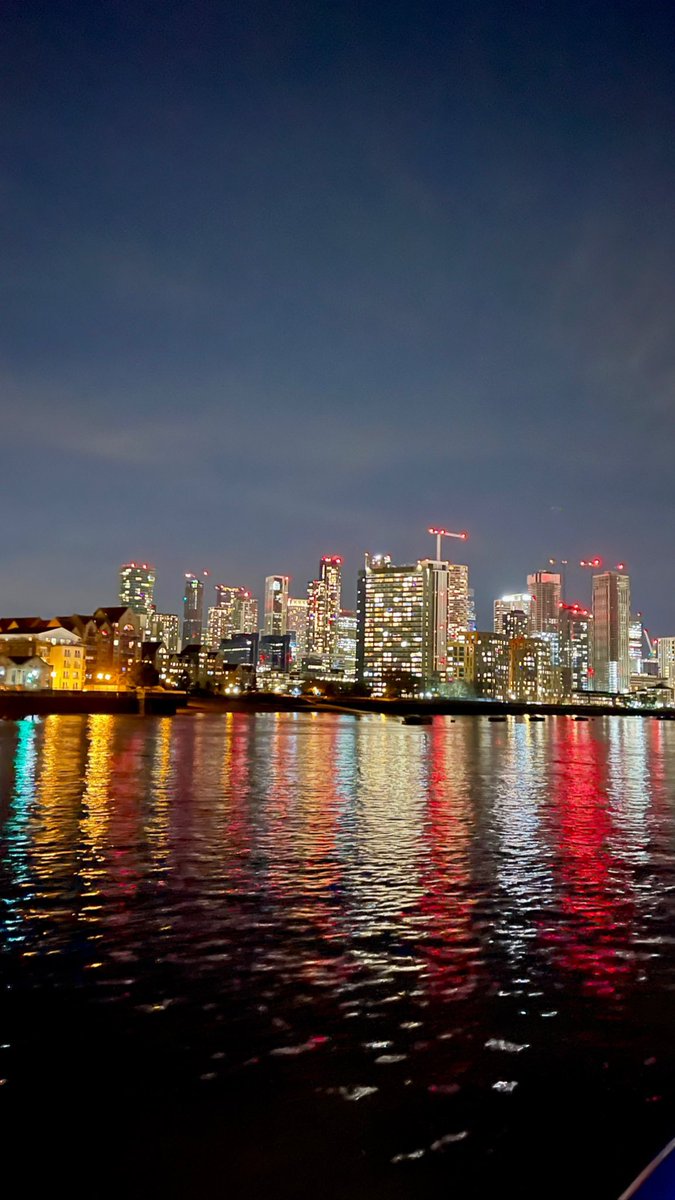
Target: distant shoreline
(361, 705)
(17, 705)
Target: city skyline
(575, 587)
(332, 273)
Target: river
(268, 955)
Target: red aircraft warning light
(590, 562)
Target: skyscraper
(235, 611)
(137, 588)
(323, 608)
(165, 627)
(276, 604)
(219, 625)
(575, 647)
(515, 624)
(296, 622)
(515, 602)
(666, 657)
(635, 644)
(193, 610)
(402, 618)
(544, 588)
(611, 632)
(458, 599)
(344, 655)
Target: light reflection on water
(459, 926)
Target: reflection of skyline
(595, 887)
(375, 842)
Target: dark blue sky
(285, 279)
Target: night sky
(287, 279)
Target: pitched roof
(22, 625)
(20, 660)
(113, 614)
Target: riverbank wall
(15, 705)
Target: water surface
(278, 954)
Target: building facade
(296, 618)
(611, 632)
(546, 592)
(520, 602)
(459, 600)
(402, 614)
(193, 611)
(324, 597)
(532, 676)
(575, 649)
(276, 605)
(487, 664)
(137, 588)
(666, 659)
(165, 628)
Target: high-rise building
(575, 643)
(532, 676)
(611, 632)
(165, 628)
(193, 610)
(545, 589)
(276, 604)
(219, 625)
(296, 622)
(487, 664)
(235, 611)
(635, 644)
(472, 609)
(666, 658)
(515, 624)
(458, 599)
(402, 620)
(323, 609)
(344, 655)
(137, 588)
(248, 619)
(515, 602)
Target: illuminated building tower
(402, 624)
(575, 643)
(472, 609)
(635, 644)
(165, 628)
(137, 588)
(515, 624)
(323, 609)
(532, 676)
(193, 610)
(219, 625)
(487, 664)
(515, 602)
(666, 658)
(235, 611)
(276, 604)
(544, 588)
(296, 622)
(458, 599)
(611, 632)
(344, 658)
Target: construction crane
(441, 533)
